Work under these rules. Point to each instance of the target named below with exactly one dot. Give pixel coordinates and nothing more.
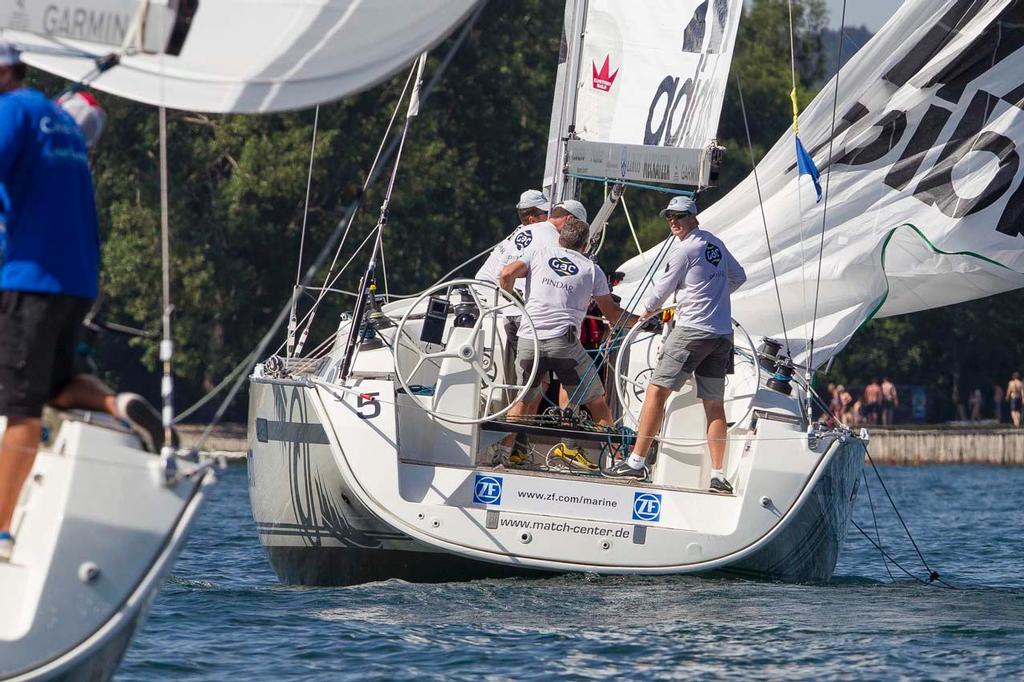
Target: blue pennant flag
(806, 165)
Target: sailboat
(101, 520)
(367, 462)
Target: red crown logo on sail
(602, 79)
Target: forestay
(650, 74)
(924, 196)
(231, 55)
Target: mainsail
(650, 78)
(230, 55)
(923, 179)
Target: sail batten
(253, 56)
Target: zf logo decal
(646, 507)
(523, 239)
(487, 490)
(563, 267)
(713, 254)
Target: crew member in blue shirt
(49, 275)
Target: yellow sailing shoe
(520, 455)
(574, 458)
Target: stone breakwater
(1003, 447)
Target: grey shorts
(690, 351)
(564, 357)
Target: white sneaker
(6, 546)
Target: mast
(563, 110)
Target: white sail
(924, 197)
(231, 55)
(650, 74)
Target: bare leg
(17, 454)
(717, 428)
(87, 392)
(600, 411)
(521, 409)
(651, 415)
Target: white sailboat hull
(336, 505)
(97, 534)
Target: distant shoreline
(983, 443)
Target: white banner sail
(924, 196)
(652, 73)
(232, 55)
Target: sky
(870, 13)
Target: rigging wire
(441, 68)
(308, 318)
(332, 239)
(874, 521)
(632, 229)
(293, 321)
(828, 178)
(764, 219)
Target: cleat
(720, 485)
(623, 470)
(574, 458)
(6, 546)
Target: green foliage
(238, 187)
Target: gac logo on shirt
(563, 267)
(523, 239)
(713, 254)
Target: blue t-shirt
(52, 239)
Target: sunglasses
(677, 216)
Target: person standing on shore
(974, 405)
(890, 401)
(998, 396)
(872, 402)
(1015, 394)
(48, 279)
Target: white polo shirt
(560, 286)
(704, 273)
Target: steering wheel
(490, 301)
(630, 389)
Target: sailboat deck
(565, 474)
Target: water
(223, 615)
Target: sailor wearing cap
(703, 274)
(562, 282)
(536, 230)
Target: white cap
(680, 204)
(9, 54)
(533, 198)
(574, 207)
(87, 113)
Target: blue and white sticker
(646, 507)
(487, 489)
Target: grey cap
(533, 198)
(680, 204)
(9, 54)
(574, 207)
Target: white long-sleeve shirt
(509, 249)
(704, 273)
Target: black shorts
(39, 336)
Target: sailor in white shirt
(561, 282)
(703, 273)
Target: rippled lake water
(223, 614)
